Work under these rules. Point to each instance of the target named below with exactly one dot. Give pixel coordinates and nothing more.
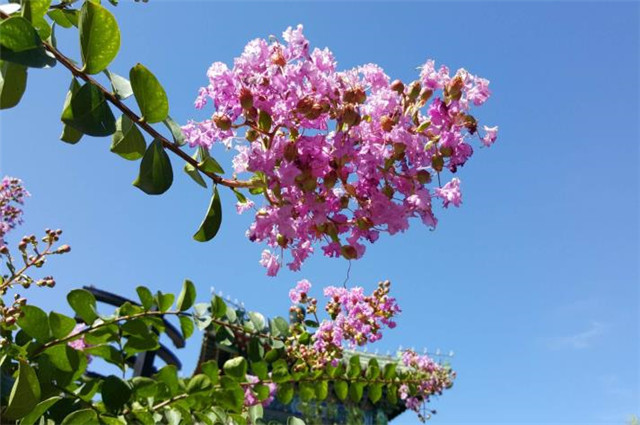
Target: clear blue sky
(533, 282)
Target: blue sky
(533, 282)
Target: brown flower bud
(246, 98)
(387, 123)
(423, 176)
(350, 116)
(222, 121)
(315, 112)
(414, 90)
(304, 105)
(251, 135)
(290, 152)
(437, 162)
(349, 252)
(397, 86)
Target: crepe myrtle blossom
(434, 379)
(339, 156)
(355, 319)
(12, 194)
(251, 398)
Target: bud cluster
(340, 156)
(355, 319)
(9, 315)
(434, 379)
(12, 194)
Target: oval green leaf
(89, 113)
(149, 94)
(84, 304)
(115, 393)
(187, 296)
(99, 37)
(25, 393)
(156, 174)
(211, 223)
(128, 141)
(13, 82)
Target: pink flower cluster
(355, 319)
(251, 399)
(436, 379)
(12, 194)
(340, 156)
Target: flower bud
(397, 86)
(315, 112)
(387, 123)
(277, 58)
(304, 105)
(349, 252)
(63, 249)
(414, 90)
(423, 176)
(350, 116)
(446, 151)
(330, 179)
(290, 152)
(222, 121)
(246, 98)
(282, 240)
(425, 94)
(361, 95)
(251, 135)
(454, 89)
(437, 162)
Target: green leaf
(156, 174)
(66, 18)
(284, 392)
(70, 134)
(146, 298)
(293, 420)
(173, 416)
(375, 392)
(21, 44)
(199, 383)
(110, 420)
(144, 387)
(236, 368)
(149, 94)
(35, 323)
(165, 301)
(355, 391)
(39, 410)
(176, 131)
(84, 304)
(187, 296)
(169, 376)
(341, 388)
(260, 369)
(322, 390)
(18, 35)
(218, 307)
(115, 393)
(258, 320)
(25, 393)
(392, 394)
(84, 417)
(60, 324)
(211, 223)
(99, 37)
(13, 82)
(306, 391)
(354, 368)
(373, 369)
(141, 342)
(120, 85)
(194, 174)
(210, 368)
(89, 112)
(279, 327)
(389, 371)
(187, 326)
(256, 350)
(128, 141)
(210, 165)
(34, 11)
(63, 357)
